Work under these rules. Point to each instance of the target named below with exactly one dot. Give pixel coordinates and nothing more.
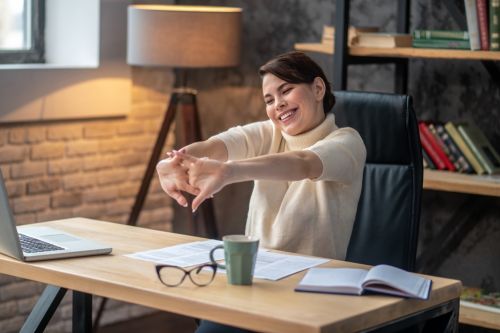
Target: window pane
(14, 25)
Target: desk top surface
(270, 306)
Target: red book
(433, 149)
(482, 20)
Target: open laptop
(32, 243)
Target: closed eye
(269, 101)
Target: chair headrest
(378, 117)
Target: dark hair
(297, 67)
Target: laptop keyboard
(33, 245)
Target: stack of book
(460, 147)
(480, 299)
(483, 30)
(441, 39)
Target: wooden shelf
(457, 182)
(403, 52)
(478, 317)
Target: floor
(155, 323)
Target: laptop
(32, 243)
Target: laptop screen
(9, 239)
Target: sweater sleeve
(247, 141)
(342, 154)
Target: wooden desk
(265, 306)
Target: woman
(307, 171)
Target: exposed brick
(46, 151)
(66, 200)
(38, 186)
(121, 218)
(28, 169)
(13, 325)
(15, 189)
(136, 172)
(27, 218)
(131, 128)
(30, 204)
(8, 309)
(98, 131)
(3, 137)
(156, 201)
(112, 176)
(65, 166)
(18, 290)
(115, 145)
(36, 134)
(65, 132)
(160, 217)
(5, 171)
(9, 154)
(100, 195)
(79, 181)
(130, 159)
(26, 305)
(128, 191)
(17, 136)
(92, 211)
(148, 110)
(82, 148)
(92, 163)
(144, 143)
(57, 214)
(123, 206)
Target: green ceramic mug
(240, 254)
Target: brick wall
(88, 168)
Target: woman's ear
(319, 88)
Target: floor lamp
(180, 37)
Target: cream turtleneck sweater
(313, 217)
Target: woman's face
(293, 108)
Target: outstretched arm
(210, 176)
(173, 175)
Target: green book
(441, 34)
(481, 147)
(441, 44)
(464, 148)
(494, 25)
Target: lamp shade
(183, 36)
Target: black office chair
(387, 220)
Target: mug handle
(212, 256)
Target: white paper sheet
(183, 255)
(269, 265)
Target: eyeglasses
(173, 276)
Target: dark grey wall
(442, 90)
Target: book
(481, 147)
(441, 34)
(328, 36)
(480, 299)
(433, 149)
(385, 40)
(472, 24)
(482, 19)
(441, 44)
(464, 148)
(383, 279)
(458, 157)
(495, 25)
(443, 146)
(428, 161)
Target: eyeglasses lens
(202, 275)
(172, 276)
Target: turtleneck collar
(307, 139)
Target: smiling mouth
(287, 115)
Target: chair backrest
(387, 220)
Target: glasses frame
(187, 272)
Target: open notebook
(31, 243)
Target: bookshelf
(433, 180)
(403, 52)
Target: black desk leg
(43, 310)
(82, 312)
